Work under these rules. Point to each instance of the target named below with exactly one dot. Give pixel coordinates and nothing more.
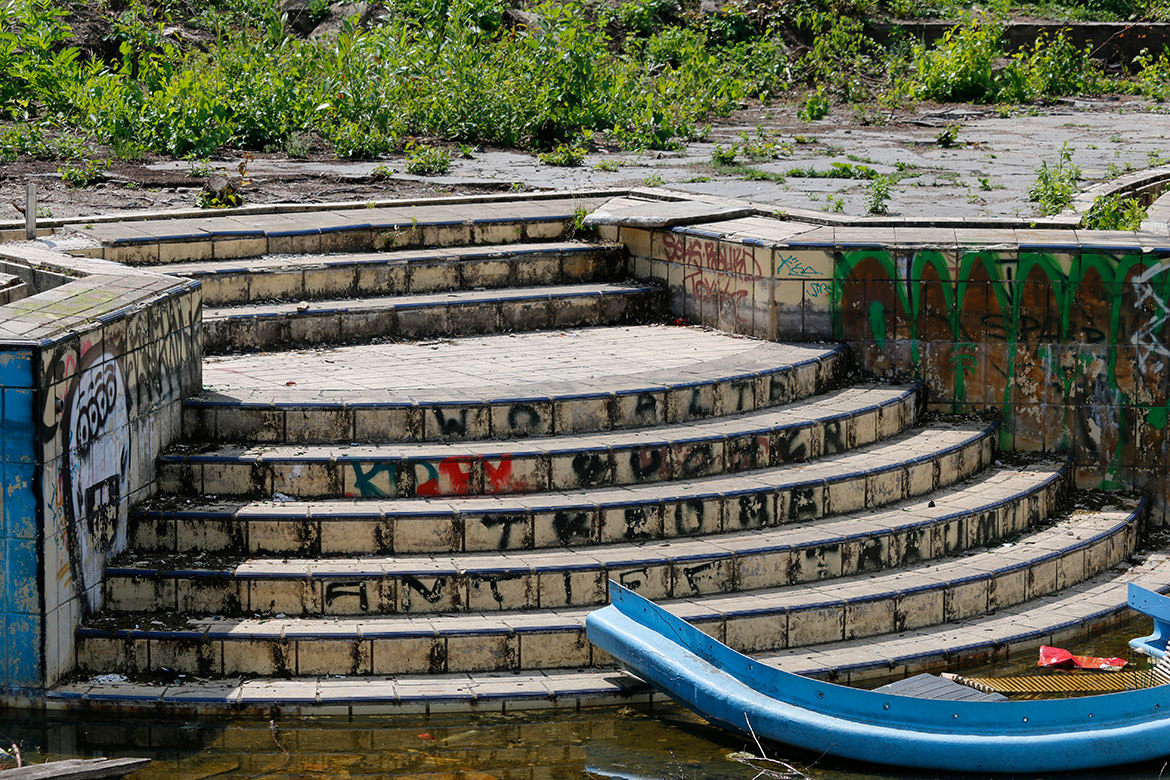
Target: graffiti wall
(1070, 344)
(87, 406)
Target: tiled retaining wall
(93, 368)
(1065, 333)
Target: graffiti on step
(95, 438)
(716, 273)
(346, 590)
(375, 480)
(1073, 349)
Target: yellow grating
(1065, 683)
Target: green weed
(1055, 184)
(86, 175)
(724, 156)
(836, 170)
(816, 106)
(948, 138)
(564, 156)
(877, 195)
(1114, 212)
(423, 160)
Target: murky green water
(663, 744)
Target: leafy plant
(1114, 212)
(970, 65)
(564, 156)
(1055, 185)
(86, 175)
(948, 138)
(223, 191)
(815, 106)
(723, 156)
(423, 160)
(877, 195)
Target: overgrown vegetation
(1115, 212)
(643, 74)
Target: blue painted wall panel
(21, 663)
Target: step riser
(511, 418)
(445, 530)
(529, 471)
(382, 237)
(338, 279)
(308, 328)
(425, 651)
(582, 586)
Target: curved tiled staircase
(423, 518)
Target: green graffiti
(1028, 301)
(877, 321)
(366, 480)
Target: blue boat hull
(734, 691)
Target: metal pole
(30, 212)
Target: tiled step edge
(312, 277)
(656, 399)
(910, 464)
(164, 241)
(1000, 502)
(849, 608)
(852, 417)
(287, 326)
(1074, 614)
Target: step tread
(992, 488)
(356, 217)
(931, 441)
(1016, 629)
(833, 405)
(1074, 532)
(294, 262)
(419, 300)
(587, 361)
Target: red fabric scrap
(1058, 658)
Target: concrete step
(909, 465)
(283, 326)
(1082, 546)
(251, 232)
(1000, 502)
(402, 272)
(807, 429)
(503, 386)
(1067, 617)
(902, 466)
